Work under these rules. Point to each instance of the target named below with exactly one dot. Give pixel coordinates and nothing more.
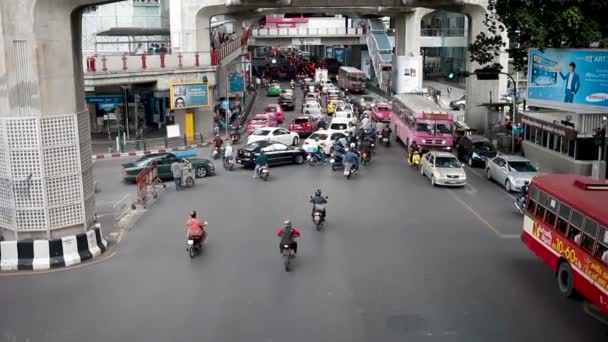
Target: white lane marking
(481, 218)
(502, 190)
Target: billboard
(574, 80)
(188, 95)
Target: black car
(277, 153)
(475, 150)
(287, 102)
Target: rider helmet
(287, 224)
(318, 192)
(193, 214)
(352, 145)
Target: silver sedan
(512, 172)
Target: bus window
(542, 198)
(550, 218)
(588, 243)
(576, 221)
(564, 216)
(534, 193)
(602, 246)
(590, 227)
(540, 211)
(531, 206)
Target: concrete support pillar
(46, 174)
(407, 67)
(190, 29)
(478, 92)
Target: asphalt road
(398, 260)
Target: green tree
(539, 24)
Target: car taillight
(323, 144)
(307, 125)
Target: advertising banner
(329, 51)
(339, 54)
(574, 80)
(188, 95)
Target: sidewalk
(156, 142)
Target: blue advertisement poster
(339, 54)
(236, 83)
(189, 95)
(568, 79)
(329, 51)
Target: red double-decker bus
(566, 226)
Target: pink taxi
(261, 120)
(275, 109)
(382, 112)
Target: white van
(346, 114)
(342, 125)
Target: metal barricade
(147, 185)
(121, 207)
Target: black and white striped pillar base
(47, 254)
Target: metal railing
(449, 32)
(308, 31)
(162, 143)
(116, 63)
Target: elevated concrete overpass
(42, 102)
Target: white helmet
(352, 145)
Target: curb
(47, 254)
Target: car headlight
(437, 175)
(475, 155)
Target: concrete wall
(555, 162)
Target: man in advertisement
(573, 83)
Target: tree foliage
(539, 24)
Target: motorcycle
(313, 159)
(287, 255)
(348, 170)
(263, 173)
(217, 152)
(235, 136)
(195, 248)
(292, 86)
(336, 162)
(386, 140)
(415, 160)
(365, 158)
(228, 164)
(317, 216)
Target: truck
(321, 75)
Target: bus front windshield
(434, 127)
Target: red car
(261, 120)
(382, 112)
(275, 109)
(304, 125)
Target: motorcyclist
(522, 196)
(288, 234)
(318, 199)
(260, 161)
(352, 158)
(337, 148)
(366, 122)
(387, 131)
(217, 142)
(292, 84)
(319, 152)
(322, 124)
(365, 146)
(228, 151)
(235, 130)
(196, 228)
(414, 148)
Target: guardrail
(308, 31)
(431, 32)
(121, 207)
(121, 63)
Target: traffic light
(486, 75)
(453, 75)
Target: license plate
(452, 182)
(240, 162)
(190, 242)
(332, 160)
(385, 139)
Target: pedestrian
(177, 169)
